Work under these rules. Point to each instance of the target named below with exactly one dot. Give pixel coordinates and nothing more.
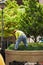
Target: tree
(27, 17)
(34, 17)
(10, 12)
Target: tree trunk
(35, 39)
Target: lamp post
(2, 4)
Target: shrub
(31, 46)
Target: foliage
(34, 17)
(27, 17)
(10, 12)
(31, 46)
(13, 15)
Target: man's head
(14, 31)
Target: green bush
(31, 46)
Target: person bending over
(20, 36)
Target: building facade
(41, 1)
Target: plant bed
(33, 53)
(29, 56)
(31, 46)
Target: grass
(31, 46)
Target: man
(1, 60)
(20, 36)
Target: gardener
(20, 36)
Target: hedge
(31, 46)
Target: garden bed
(33, 53)
(29, 56)
(31, 46)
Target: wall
(41, 1)
(30, 56)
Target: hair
(14, 31)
